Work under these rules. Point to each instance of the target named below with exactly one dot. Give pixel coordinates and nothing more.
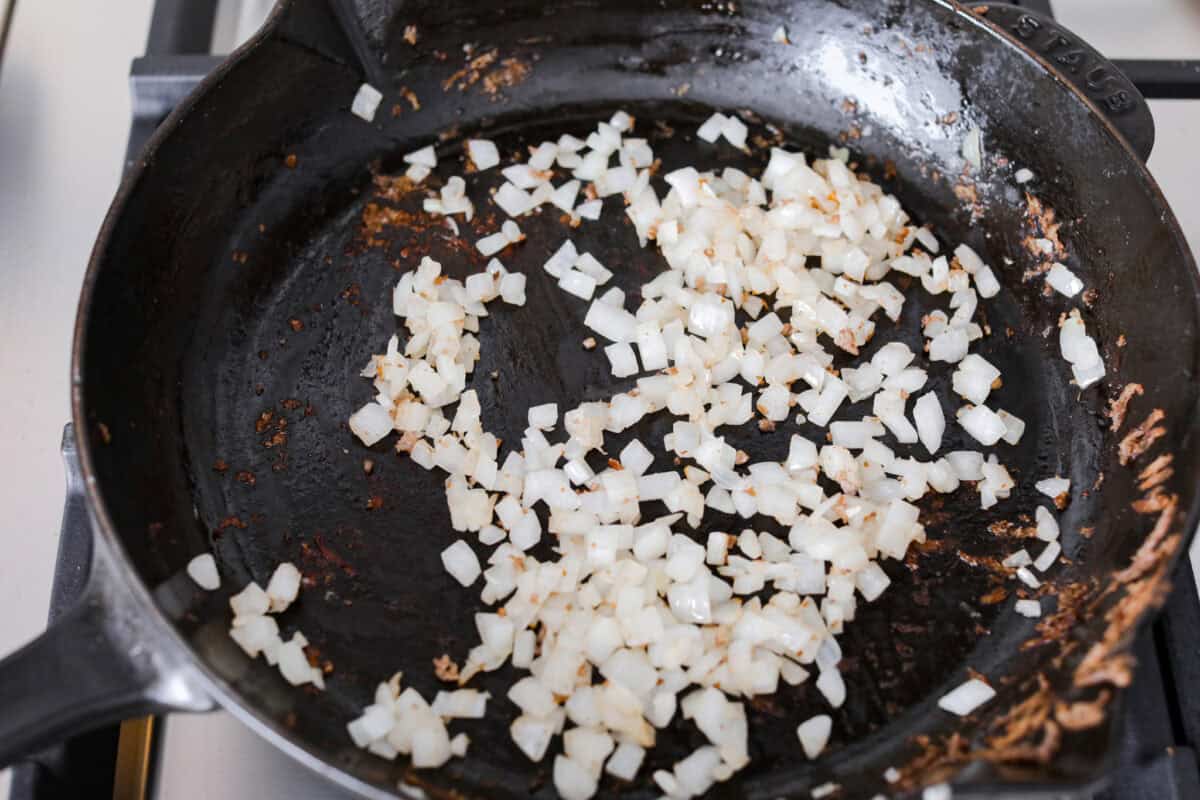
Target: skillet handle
(100, 661)
(1078, 63)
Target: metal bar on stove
(181, 26)
(1163, 79)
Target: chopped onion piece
(483, 152)
(425, 157)
(1063, 281)
(371, 423)
(203, 570)
(814, 734)
(1047, 526)
(966, 697)
(366, 102)
(1029, 608)
(284, 587)
(460, 561)
(1028, 578)
(1053, 487)
(930, 421)
(984, 425)
(1048, 556)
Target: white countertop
(64, 118)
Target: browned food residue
(1156, 472)
(445, 669)
(324, 553)
(1140, 439)
(220, 465)
(995, 596)
(510, 72)
(471, 73)
(1041, 220)
(231, 522)
(1010, 529)
(1119, 407)
(246, 477)
(1083, 714)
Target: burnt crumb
(445, 669)
(263, 355)
(995, 596)
(239, 256)
(290, 403)
(105, 433)
(296, 325)
(1119, 406)
(1141, 438)
(410, 34)
(231, 522)
(246, 477)
(589, 343)
(259, 389)
(766, 425)
(1153, 503)
(469, 75)
(510, 72)
(264, 421)
(368, 466)
(220, 465)
(1156, 473)
(1083, 714)
(374, 503)
(1010, 529)
(408, 440)
(291, 161)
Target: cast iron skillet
(243, 278)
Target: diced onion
(966, 697)
(366, 102)
(203, 570)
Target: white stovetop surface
(64, 117)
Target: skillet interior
(191, 338)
